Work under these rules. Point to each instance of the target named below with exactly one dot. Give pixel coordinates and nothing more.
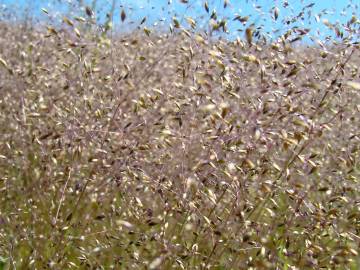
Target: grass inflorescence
(179, 150)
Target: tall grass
(185, 150)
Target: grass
(157, 151)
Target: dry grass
(157, 151)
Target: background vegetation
(180, 148)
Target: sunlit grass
(157, 151)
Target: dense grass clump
(153, 150)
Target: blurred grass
(159, 151)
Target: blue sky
(160, 12)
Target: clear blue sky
(161, 11)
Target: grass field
(177, 151)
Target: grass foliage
(154, 150)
